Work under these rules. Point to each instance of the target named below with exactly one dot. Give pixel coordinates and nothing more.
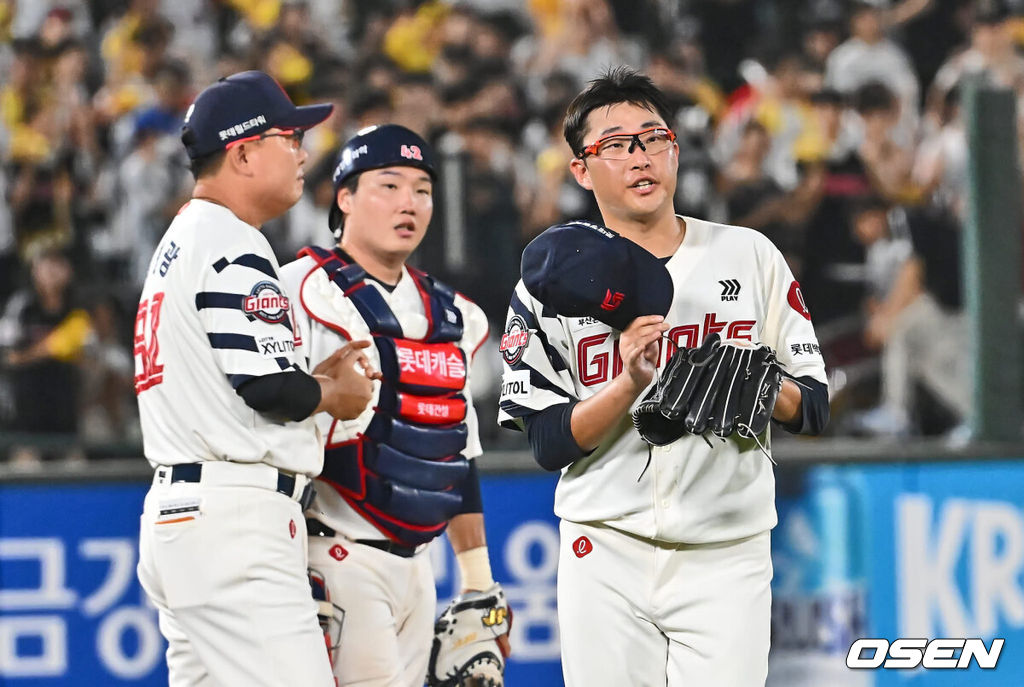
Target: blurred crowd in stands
(833, 126)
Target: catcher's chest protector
(404, 473)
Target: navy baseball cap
(376, 147)
(240, 106)
(582, 269)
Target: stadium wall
(874, 542)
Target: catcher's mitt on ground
(466, 651)
(719, 387)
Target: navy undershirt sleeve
(550, 435)
(814, 408)
(289, 395)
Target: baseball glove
(719, 387)
(465, 652)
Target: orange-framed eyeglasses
(295, 136)
(620, 146)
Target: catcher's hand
(467, 649)
(719, 387)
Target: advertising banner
(72, 611)
(909, 552)
(918, 551)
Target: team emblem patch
(514, 340)
(797, 302)
(338, 552)
(612, 300)
(582, 546)
(266, 302)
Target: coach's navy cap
(375, 147)
(240, 106)
(582, 269)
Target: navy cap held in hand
(582, 269)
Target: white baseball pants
(386, 605)
(226, 568)
(635, 612)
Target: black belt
(318, 529)
(193, 472)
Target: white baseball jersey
(212, 315)
(730, 280)
(322, 301)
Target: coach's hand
(638, 346)
(345, 378)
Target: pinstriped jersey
(320, 301)
(726, 279)
(213, 314)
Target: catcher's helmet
(375, 147)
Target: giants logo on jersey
(514, 341)
(266, 302)
(594, 359)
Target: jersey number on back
(148, 369)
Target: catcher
(404, 471)
(666, 495)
